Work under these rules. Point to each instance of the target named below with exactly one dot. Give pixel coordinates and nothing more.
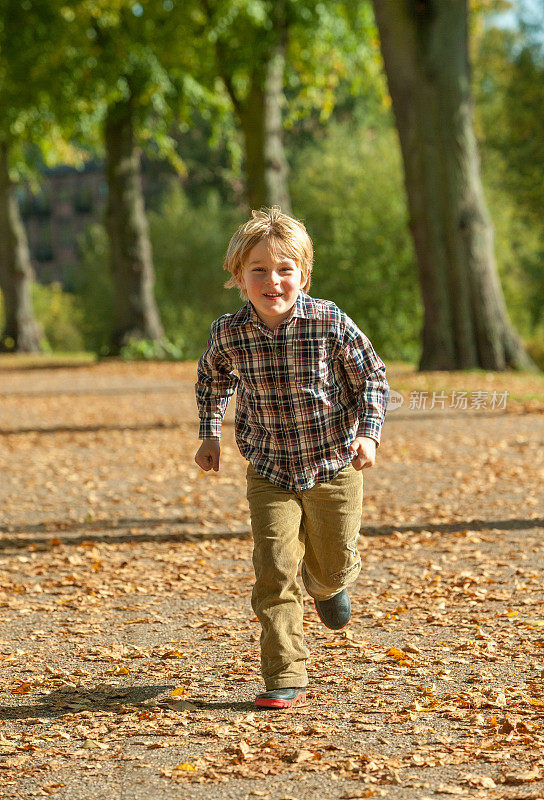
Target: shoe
(334, 613)
(282, 698)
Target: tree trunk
(251, 117)
(260, 116)
(275, 162)
(21, 331)
(136, 313)
(425, 50)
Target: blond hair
(284, 235)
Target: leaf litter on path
(128, 637)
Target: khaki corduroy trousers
(318, 527)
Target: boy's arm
(216, 383)
(365, 372)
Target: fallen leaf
(296, 756)
(23, 688)
(412, 648)
(180, 705)
(93, 744)
(518, 778)
(485, 781)
(178, 691)
(396, 653)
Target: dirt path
(126, 574)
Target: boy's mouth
(273, 294)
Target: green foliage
(519, 251)
(333, 52)
(94, 290)
(348, 187)
(32, 66)
(150, 56)
(535, 347)
(58, 314)
(508, 81)
(60, 318)
(154, 350)
(189, 244)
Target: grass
(525, 389)
(45, 360)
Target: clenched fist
(364, 450)
(207, 456)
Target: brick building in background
(55, 218)
(69, 201)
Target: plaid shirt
(305, 390)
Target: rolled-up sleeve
(365, 372)
(216, 383)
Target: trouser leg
(278, 549)
(331, 521)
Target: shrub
(189, 243)
(59, 316)
(535, 348)
(348, 187)
(154, 350)
(94, 290)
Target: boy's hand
(208, 455)
(364, 449)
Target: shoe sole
(271, 703)
(341, 628)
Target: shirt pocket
(258, 372)
(309, 366)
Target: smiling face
(272, 281)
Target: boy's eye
(281, 268)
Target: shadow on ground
(69, 701)
(152, 426)
(57, 533)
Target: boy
(311, 400)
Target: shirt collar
(305, 307)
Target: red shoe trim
(271, 703)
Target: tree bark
(21, 333)
(136, 312)
(252, 123)
(425, 50)
(276, 169)
(260, 116)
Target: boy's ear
(240, 282)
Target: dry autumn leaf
(525, 776)
(22, 688)
(93, 744)
(95, 596)
(296, 756)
